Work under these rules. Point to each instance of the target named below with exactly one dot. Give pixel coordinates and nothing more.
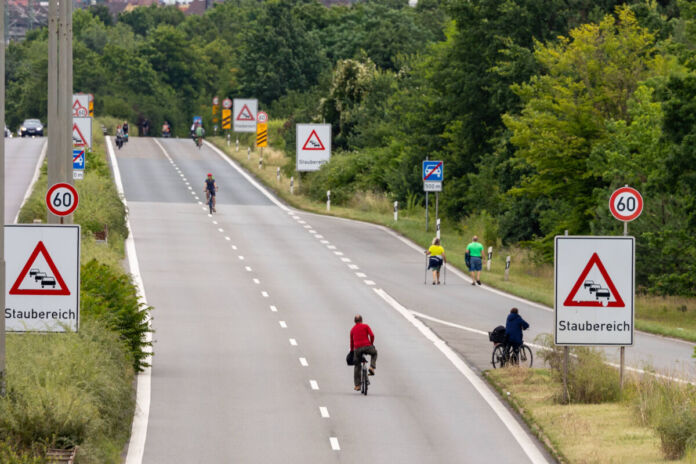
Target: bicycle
(210, 199)
(364, 381)
(199, 142)
(504, 354)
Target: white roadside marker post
(292, 185)
(490, 257)
(328, 200)
(278, 175)
(507, 268)
(396, 211)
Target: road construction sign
(244, 114)
(42, 278)
(227, 119)
(594, 290)
(80, 107)
(313, 146)
(91, 105)
(262, 135)
(82, 132)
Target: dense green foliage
(539, 109)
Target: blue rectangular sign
(433, 171)
(78, 158)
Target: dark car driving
(31, 127)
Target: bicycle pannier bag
(497, 335)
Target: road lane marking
(136, 444)
(189, 187)
(331, 247)
(303, 362)
(338, 253)
(274, 309)
(354, 267)
(220, 229)
(206, 209)
(302, 222)
(362, 275)
(319, 236)
(325, 242)
(264, 294)
(334, 444)
(307, 226)
(196, 197)
(293, 342)
(324, 411)
(215, 222)
(234, 247)
(515, 429)
(369, 282)
(314, 384)
(346, 260)
(248, 269)
(227, 238)
(312, 231)
(241, 258)
(283, 324)
(200, 203)
(257, 281)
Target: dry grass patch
(578, 433)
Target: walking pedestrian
(475, 251)
(436, 259)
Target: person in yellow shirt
(437, 258)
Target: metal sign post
(2, 202)
(433, 174)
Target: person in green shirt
(475, 251)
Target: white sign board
(313, 146)
(82, 132)
(432, 186)
(42, 281)
(80, 106)
(594, 290)
(244, 114)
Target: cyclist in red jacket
(362, 342)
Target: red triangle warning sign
(313, 142)
(245, 114)
(79, 110)
(39, 276)
(79, 140)
(592, 292)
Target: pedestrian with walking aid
(435, 259)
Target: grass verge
(76, 389)
(669, 316)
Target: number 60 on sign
(61, 199)
(626, 204)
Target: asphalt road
(21, 157)
(252, 312)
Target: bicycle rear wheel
(525, 357)
(498, 357)
(364, 382)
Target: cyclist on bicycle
(210, 188)
(361, 343)
(199, 133)
(513, 329)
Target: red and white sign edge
(616, 213)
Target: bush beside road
(76, 389)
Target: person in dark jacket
(514, 327)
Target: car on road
(39, 276)
(48, 281)
(31, 127)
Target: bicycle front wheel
(525, 356)
(498, 357)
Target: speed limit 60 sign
(61, 199)
(626, 204)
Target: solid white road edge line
(247, 176)
(30, 188)
(136, 445)
(516, 430)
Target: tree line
(539, 108)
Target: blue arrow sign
(78, 160)
(433, 171)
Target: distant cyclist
(200, 132)
(361, 343)
(513, 329)
(210, 189)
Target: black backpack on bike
(497, 335)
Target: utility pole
(60, 90)
(2, 200)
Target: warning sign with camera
(594, 290)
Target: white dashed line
(215, 222)
(325, 242)
(307, 226)
(302, 222)
(234, 247)
(312, 231)
(220, 229)
(196, 197)
(338, 253)
(303, 362)
(241, 258)
(190, 188)
(264, 294)
(257, 281)
(334, 444)
(200, 202)
(319, 236)
(314, 384)
(274, 309)
(248, 269)
(227, 238)
(293, 342)
(354, 267)
(283, 324)
(206, 209)
(369, 282)
(331, 247)
(346, 260)
(324, 411)
(362, 275)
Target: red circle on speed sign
(61, 199)
(227, 103)
(626, 204)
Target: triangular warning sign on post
(35, 279)
(602, 295)
(79, 140)
(313, 142)
(245, 114)
(79, 110)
